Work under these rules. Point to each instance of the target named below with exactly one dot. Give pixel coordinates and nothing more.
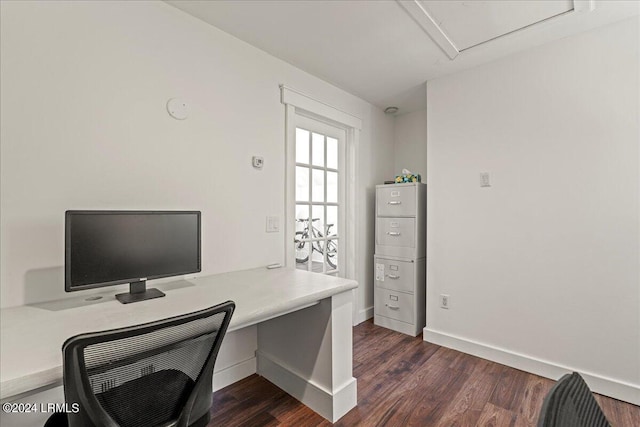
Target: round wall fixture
(391, 110)
(178, 108)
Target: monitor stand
(138, 292)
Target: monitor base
(138, 292)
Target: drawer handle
(393, 233)
(393, 276)
(394, 202)
(393, 307)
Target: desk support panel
(309, 354)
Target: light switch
(485, 179)
(273, 224)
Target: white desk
(304, 331)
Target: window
(319, 196)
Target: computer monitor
(104, 248)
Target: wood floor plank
(509, 388)
(619, 413)
(286, 409)
(303, 417)
(430, 405)
(405, 381)
(378, 356)
(382, 383)
(465, 363)
(528, 407)
(495, 416)
(384, 375)
(466, 407)
(247, 403)
(423, 394)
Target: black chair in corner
(155, 374)
(570, 404)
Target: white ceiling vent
(460, 25)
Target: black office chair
(570, 404)
(155, 374)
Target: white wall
(84, 126)
(542, 268)
(410, 143)
(375, 166)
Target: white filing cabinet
(399, 262)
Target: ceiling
(384, 50)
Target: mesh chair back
(155, 374)
(570, 404)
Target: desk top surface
(32, 335)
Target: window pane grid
(319, 239)
(314, 238)
(310, 166)
(309, 199)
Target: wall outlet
(445, 301)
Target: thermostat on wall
(257, 162)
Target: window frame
(297, 103)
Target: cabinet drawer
(395, 275)
(395, 305)
(396, 201)
(396, 232)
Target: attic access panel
(470, 23)
(457, 25)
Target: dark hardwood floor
(404, 381)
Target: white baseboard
(364, 315)
(234, 373)
(597, 383)
(330, 405)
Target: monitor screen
(112, 247)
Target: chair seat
(57, 419)
(132, 404)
